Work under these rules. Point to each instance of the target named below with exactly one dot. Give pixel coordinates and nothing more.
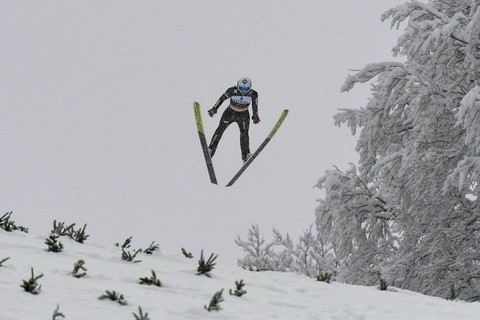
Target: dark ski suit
(237, 112)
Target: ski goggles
(244, 89)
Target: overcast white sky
(97, 126)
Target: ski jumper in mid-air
(241, 96)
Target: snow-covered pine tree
(413, 209)
(258, 255)
(311, 255)
(53, 244)
(355, 219)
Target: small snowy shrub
(153, 280)
(188, 255)
(324, 277)
(204, 267)
(215, 302)
(79, 235)
(141, 316)
(239, 289)
(9, 225)
(31, 285)
(114, 296)
(57, 313)
(259, 255)
(382, 282)
(127, 255)
(53, 244)
(79, 270)
(62, 230)
(151, 248)
(126, 243)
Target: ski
(260, 148)
(203, 142)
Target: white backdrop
(97, 126)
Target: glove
(256, 118)
(212, 112)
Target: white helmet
(244, 84)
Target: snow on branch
(469, 118)
(368, 73)
(465, 177)
(258, 253)
(311, 255)
(409, 9)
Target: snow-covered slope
(184, 294)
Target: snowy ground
(183, 294)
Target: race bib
(241, 100)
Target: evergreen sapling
(31, 285)
(215, 302)
(114, 296)
(60, 228)
(151, 248)
(79, 270)
(152, 281)
(53, 244)
(141, 315)
(324, 277)
(126, 243)
(9, 225)
(204, 267)
(239, 289)
(188, 255)
(127, 255)
(79, 235)
(57, 313)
